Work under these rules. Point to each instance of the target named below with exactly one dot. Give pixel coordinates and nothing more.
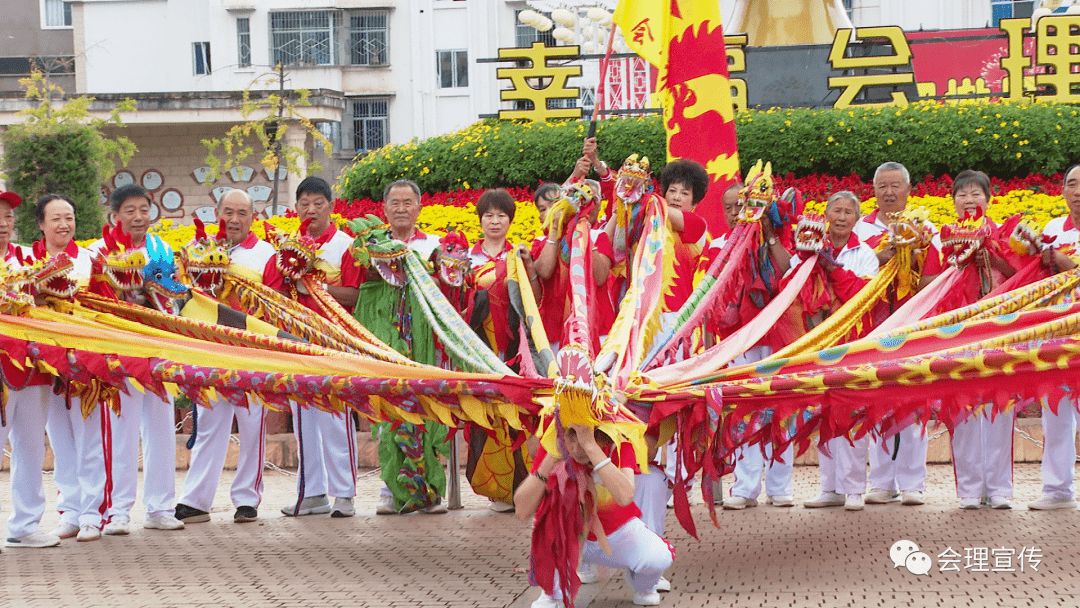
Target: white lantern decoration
(563, 35)
(598, 14)
(543, 24)
(528, 17)
(1037, 14)
(588, 47)
(564, 17)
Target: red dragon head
(810, 233)
(118, 265)
(296, 252)
(961, 240)
(452, 259)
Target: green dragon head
(374, 247)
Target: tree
(60, 148)
(272, 117)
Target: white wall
(922, 14)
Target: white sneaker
(853, 502)
(1000, 502)
(647, 599)
(546, 602)
(35, 540)
(735, 503)
(165, 522)
(386, 505)
(116, 528)
(311, 505)
(880, 497)
(912, 499)
(1047, 503)
(343, 507)
(671, 502)
(781, 501)
(589, 573)
(88, 533)
(827, 499)
(970, 503)
(663, 585)
(435, 509)
(65, 530)
(500, 507)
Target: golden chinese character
(550, 80)
(1057, 46)
(737, 63)
(853, 84)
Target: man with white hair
(248, 255)
(898, 462)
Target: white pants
(844, 472)
(748, 464)
(651, 493)
(26, 413)
(327, 453)
(82, 461)
(145, 415)
(983, 456)
(633, 547)
(1059, 449)
(905, 473)
(213, 430)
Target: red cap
(11, 198)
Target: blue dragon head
(160, 280)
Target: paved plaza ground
(473, 557)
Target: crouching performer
(617, 537)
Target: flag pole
(603, 78)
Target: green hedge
(1004, 139)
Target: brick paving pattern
(763, 556)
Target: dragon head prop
(374, 247)
(1026, 237)
(961, 240)
(452, 259)
(757, 196)
(160, 279)
(16, 286)
(296, 252)
(52, 276)
(907, 228)
(118, 263)
(205, 260)
(632, 180)
(810, 233)
(573, 198)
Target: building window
(243, 42)
(370, 124)
(201, 57)
(848, 6)
(1010, 9)
(368, 37)
(303, 37)
(452, 68)
(525, 35)
(55, 13)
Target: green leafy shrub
(60, 148)
(1003, 139)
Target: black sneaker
(245, 514)
(191, 515)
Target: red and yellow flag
(684, 39)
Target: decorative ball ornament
(598, 14)
(564, 17)
(543, 24)
(529, 17)
(563, 35)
